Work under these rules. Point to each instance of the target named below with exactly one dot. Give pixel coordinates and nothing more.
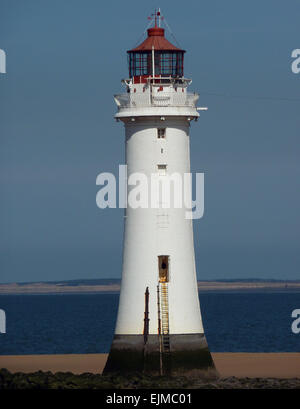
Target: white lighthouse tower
(159, 326)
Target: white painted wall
(152, 232)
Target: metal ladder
(165, 318)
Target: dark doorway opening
(163, 269)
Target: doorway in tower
(163, 269)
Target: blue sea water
(84, 323)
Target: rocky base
(189, 354)
(67, 380)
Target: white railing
(165, 99)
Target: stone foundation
(189, 354)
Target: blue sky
(65, 60)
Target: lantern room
(155, 57)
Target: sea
(84, 323)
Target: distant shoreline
(113, 286)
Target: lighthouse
(159, 326)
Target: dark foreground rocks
(67, 380)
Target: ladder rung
(165, 318)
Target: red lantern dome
(156, 54)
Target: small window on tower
(161, 133)
(162, 169)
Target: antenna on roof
(150, 18)
(157, 16)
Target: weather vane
(157, 17)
